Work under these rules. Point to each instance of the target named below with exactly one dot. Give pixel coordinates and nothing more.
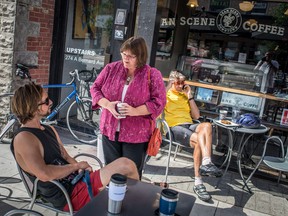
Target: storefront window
(224, 47)
(88, 36)
(166, 31)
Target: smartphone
(184, 86)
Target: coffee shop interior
(217, 45)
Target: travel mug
(117, 189)
(168, 202)
(118, 106)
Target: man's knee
(206, 126)
(126, 164)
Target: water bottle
(235, 113)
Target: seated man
(179, 112)
(40, 153)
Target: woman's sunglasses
(46, 102)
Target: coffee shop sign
(228, 21)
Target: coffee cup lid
(118, 178)
(169, 193)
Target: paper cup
(222, 114)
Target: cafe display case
(229, 74)
(217, 83)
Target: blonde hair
(176, 75)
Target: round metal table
(232, 129)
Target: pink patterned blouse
(110, 84)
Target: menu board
(242, 101)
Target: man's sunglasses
(179, 82)
(46, 102)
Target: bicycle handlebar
(23, 72)
(74, 74)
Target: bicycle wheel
(82, 121)
(84, 89)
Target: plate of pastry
(227, 123)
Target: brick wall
(26, 28)
(33, 36)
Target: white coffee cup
(222, 114)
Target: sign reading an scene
(228, 21)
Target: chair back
(26, 181)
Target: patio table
(232, 129)
(141, 199)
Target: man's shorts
(80, 195)
(182, 133)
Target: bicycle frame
(23, 72)
(56, 110)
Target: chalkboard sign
(242, 101)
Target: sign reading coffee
(228, 21)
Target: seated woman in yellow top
(180, 110)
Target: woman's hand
(111, 106)
(127, 110)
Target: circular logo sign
(229, 20)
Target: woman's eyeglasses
(46, 102)
(124, 55)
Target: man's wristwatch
(191, 99)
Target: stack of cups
(168, 202)
(117, 190)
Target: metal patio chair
(168, 138)
(277, 163)
(31, 188)
(23, 211)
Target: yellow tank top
(177, 109)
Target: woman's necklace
(128, 80)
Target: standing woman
(143, 99)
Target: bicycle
(87, 77)
(80, 110)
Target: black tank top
(52, 155)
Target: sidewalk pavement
(228, 199)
